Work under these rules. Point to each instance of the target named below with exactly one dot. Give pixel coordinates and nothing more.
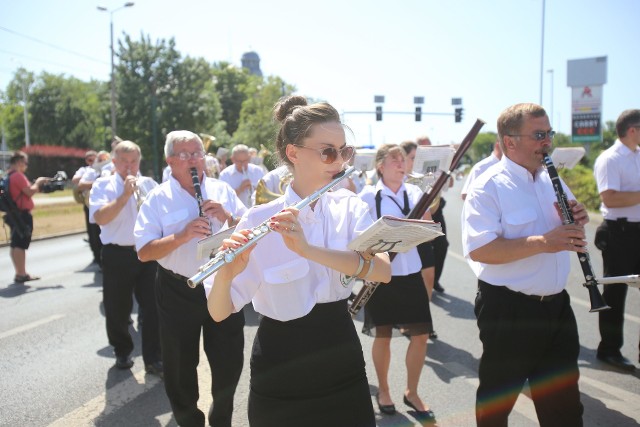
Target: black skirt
(310, 372)
(400, 307)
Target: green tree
(481, 147)
(231, 84)
(158, 92)
(257, 126)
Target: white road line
(574, 300)
(31, 325)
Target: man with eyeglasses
(168, 227)
(515, 242)
(242, 176)
(617, 173)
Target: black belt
(622, 222)
(172, 274)
(541, 298)
(129, 248)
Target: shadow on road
(454, 362)
(454, 306)
(16, 290)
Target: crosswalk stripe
(31, 325)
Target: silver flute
(257, 233)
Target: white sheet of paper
(206, 246)
(567, 157)
(430, 159)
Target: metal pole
(551, 72)
(113, 88)
(542, 52)
(26, 116)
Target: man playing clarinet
(515, 242)
(168, 228)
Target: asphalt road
(56, 367)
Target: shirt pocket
(520, 223)
(172, 220)
(288, 272)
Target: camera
(57, 183)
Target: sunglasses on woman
(330, 154)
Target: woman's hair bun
(285, 106)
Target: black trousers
(93, 233)
(183, 317)
(527, 339)
(124, 275)
(440, 244)
(618, 242)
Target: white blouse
(409, 262)
(281, 284)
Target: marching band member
(167, 230)
(113, 207)
(404, 302)
(307, 366)
(515, 243)
(85, 182)
(243, 177)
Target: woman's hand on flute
(236, 241)
(286, 223)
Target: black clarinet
(197, 189)
(597, 301)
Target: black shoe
(124, 362)
(433, 335)
(427, 415)
(155, 368)
(386, 409)
(438, 287)
(619, 362)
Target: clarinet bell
(597, 301)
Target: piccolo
(257, 233)
(597, 302)
(197, 189)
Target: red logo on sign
(586, 92)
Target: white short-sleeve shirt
(234, 178)
(106, 189)
(618, 168)
(281, 284)
(507, 202)
(168, 210)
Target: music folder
(207, 247)
(392, 234)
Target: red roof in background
(54, 151)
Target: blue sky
(345, 52)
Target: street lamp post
(550, 71)
(113, 78)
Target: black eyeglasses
(330, 154)
(540, 135)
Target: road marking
(625, 402)
(100, 406)
(31, 325)
(574, 300)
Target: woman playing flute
(307, 366)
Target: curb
(50, 236)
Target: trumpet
(257, 233)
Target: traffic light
(458, 115)
(418, 114)
(379, 113)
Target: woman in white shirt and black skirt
(402, 305)
(307, 366)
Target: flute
(257, 233)
(597, 302)
(197, 189)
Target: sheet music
(567, 157)
(430, 159)
(393, 234)
(209, 245)
(364, 161)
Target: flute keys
(229, 257)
